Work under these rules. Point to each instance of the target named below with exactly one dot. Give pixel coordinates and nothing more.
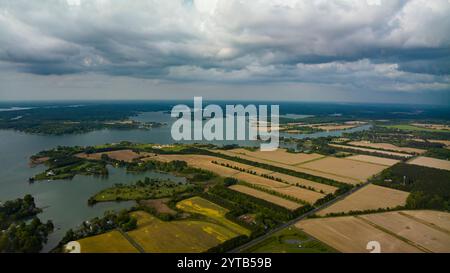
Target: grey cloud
(339, 42)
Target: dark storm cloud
(374, 44)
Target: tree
(228, 181)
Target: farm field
(156, 236)
(290, 240)
(368, 198)
(374, 159)
(397, 231)
(435, 218)
(282, 188)
(286, 178)
(121, 155)
(279, 155)
(266, 196)
(431, 162)
(211, 210)
(360, 171)
(387, 146)
(350, 235)
(421, 234)
(304, 182)
(289, 188)
(297, 167)
(445, 142)
(158, 189)
(205, 162)
(354, 148)
(110, 242)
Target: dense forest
(429, 187)
(22, 231)
(74, 119)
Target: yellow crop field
(438, 219)
(354, 148)
(368, 198)
(156, 236)
(211, 210)
(110, 242)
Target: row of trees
(15, 210)
(281, 170)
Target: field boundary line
(338, 175)
(131, 241)
(274, 174)
(379, 152)
(253, 167)
(387, 149)
(401, 238)
(378, 164)
(288, 184)
(274, 192)
(422, 221)
(268, 161)
(311, 160)
(288, 168)
(296, 220)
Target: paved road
(291, 222)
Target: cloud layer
(383, 45)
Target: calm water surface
(65, 201)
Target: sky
(393, 51)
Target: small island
(22, 231)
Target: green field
(290, 240)
(408, 127)
(140, 191)
(178, 236)
(211, 210)
(156, 236)
(110, 242)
